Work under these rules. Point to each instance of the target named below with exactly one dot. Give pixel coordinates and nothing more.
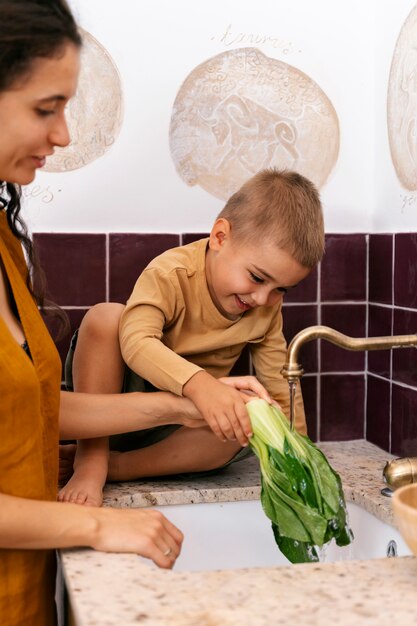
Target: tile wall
(366, 284)
(392, 375)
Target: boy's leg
(97, 368)
(185, 450)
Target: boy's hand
(221, 405)
(249, 385)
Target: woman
(39, 63)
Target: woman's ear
(220, 233)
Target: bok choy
(301, 494)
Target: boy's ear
(219, 233)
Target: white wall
(395, 207)
(155, 44)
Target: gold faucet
(396, 472)
(293, 371)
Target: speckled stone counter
(109, 589)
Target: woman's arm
(86, 415)
(33, 524)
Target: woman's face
(32, 120)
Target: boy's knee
(102, 319)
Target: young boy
(192, 312)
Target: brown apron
(29, 409)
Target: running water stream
(293, 385)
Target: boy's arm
(155, 303)
(220, 404)
(268, 359)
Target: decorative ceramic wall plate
(402, 104)
(240, 112)
(94, 114)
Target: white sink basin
(230, 535)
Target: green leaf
(295, 551)
(345, 537)
(301, 476)
(324, 476)
(295, 519)
(280, 513)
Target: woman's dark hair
(29, 30)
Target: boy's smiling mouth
(242, 304)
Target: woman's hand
(55, 525)
(144, 531)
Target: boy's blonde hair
(282, 207)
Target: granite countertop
(109, 589)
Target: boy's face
(243, 276)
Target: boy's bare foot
(90, 462)
(82, 489)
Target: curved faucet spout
(293, 371)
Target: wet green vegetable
(301, 494)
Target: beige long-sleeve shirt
(171, 329)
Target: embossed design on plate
(242, 111)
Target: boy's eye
(45, 112)
(255, 278)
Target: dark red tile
(342, 407)
(309, 390)
(242, 365)
(378, 410)
(306, 291)
(297, 318)
(343, 269)
(75, 267)
(190, 237)
(129, 255)
(404, 359)
(380, 325)
(380, 268)
(405, 270)
(349, 319)
(404, 421)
